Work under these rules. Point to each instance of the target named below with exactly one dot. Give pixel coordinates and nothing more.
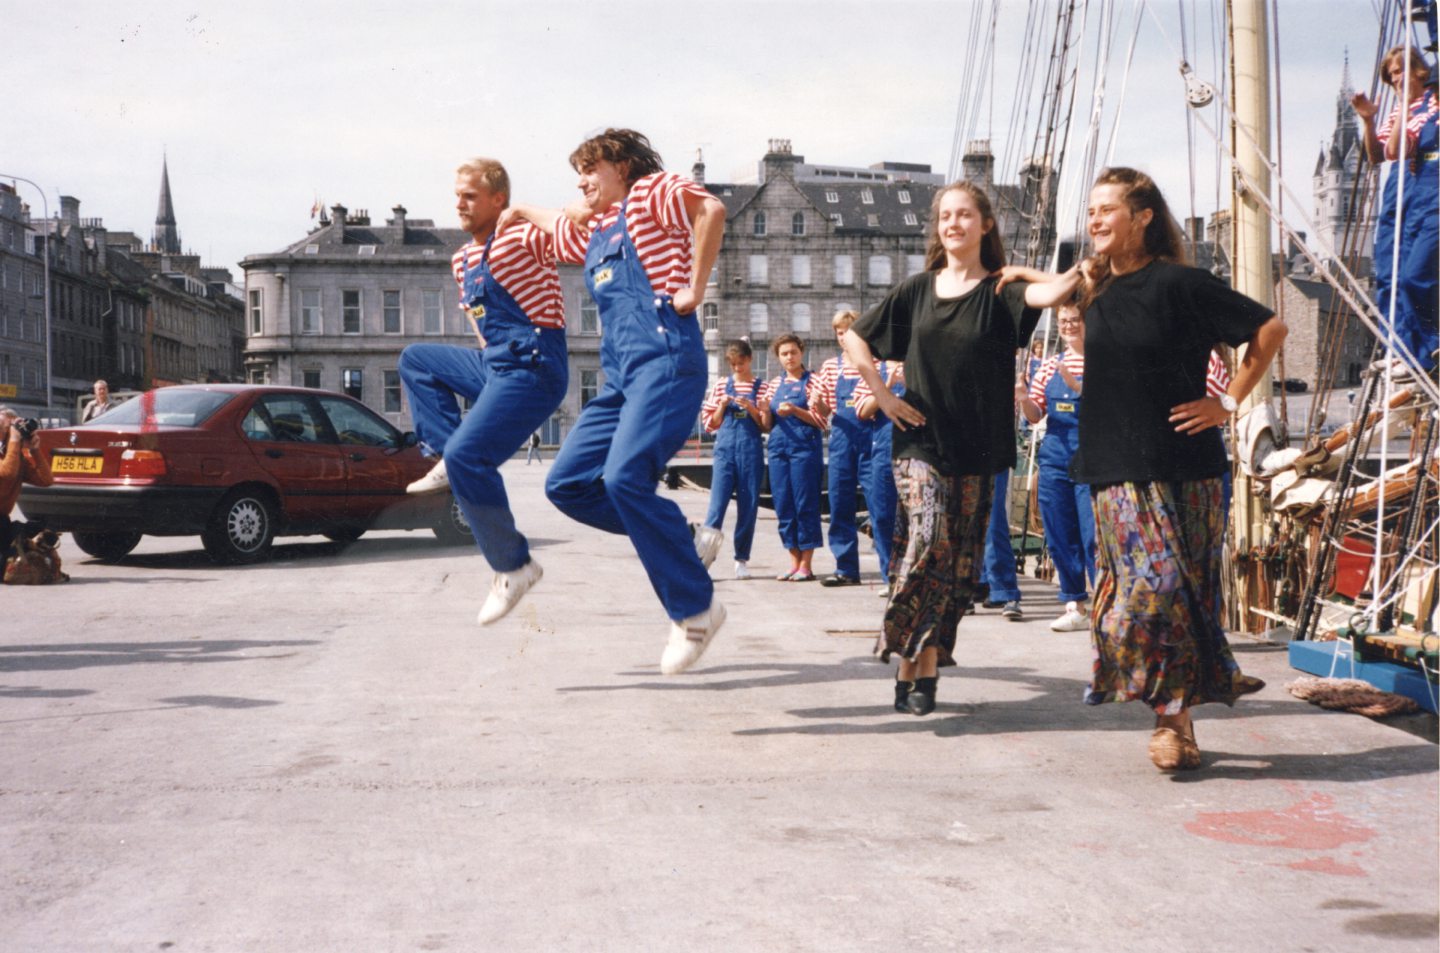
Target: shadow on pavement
(43, 658)
(312, 551)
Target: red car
(237, 464)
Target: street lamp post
(45, 264)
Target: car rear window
(167, 407)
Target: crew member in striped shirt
(1415, 228)
(851, 441)
(647, 239)
(735, 409)
(510, 291)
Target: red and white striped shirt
(522, 259)
(657, 223)
(1420, 112)
(830, 373)
(718, 396)
(1217, 378)
(894, 373)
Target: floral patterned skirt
(940, 541)
(1155, 621)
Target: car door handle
(357, 457)
(274, 454)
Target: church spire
(167, 236)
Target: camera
(27, 426)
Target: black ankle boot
(921, 700)
(902, 692)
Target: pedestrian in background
(795, 456)
(99, 404)
(734, 412)
(848, 458)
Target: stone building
(22, 311)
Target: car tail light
(142, 464)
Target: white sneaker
(708, 541)
(433, 482)
(742, 569)
(506, 590)
(1073, 620)
(690, 638)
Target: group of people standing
(921, 408)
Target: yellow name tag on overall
(603, 276)
(1064, 407)
(477, 312)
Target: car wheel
(241, 528)
(453, 529)
(106, 547)
(344, 534)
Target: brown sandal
(1172, 750)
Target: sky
(261, 108)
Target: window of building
(589, 385)
(914, 264)
(352, 382)
(832, 197)
(759, 317)
(312, 249)
(589, 314)
(433, 316)
(391, 385)
(800, 317)
(797, 223)
(759, 270)
(391, 305)
(867, 197)
(872, 221)
(550, 430)
(712, 316)
(904, 196)
(837, 219)
(879, 270)
(310, 316)
(800, 270)
(256, 312)
(760, 363)
(350, 312)
(910, 219)
(310, 377)
(759, 224)
(844, 270)
(365, 250)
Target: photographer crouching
(20, 462)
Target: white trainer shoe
(690, 638)
(1072, 620)
(742, 569)
(433, 482)
(506, 590)
(707, 543)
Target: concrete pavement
(325, 752)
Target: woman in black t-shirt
(957, 331)
(1151, 450)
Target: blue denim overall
(1417, 293)
(738, 465)
(794, 451)
(879, 480)
(513, 386)
(851, 442)
(606, 473)
(1065, 509)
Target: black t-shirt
(1148, 339)
(959, 356)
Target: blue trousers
(795, 488)
(736, 472)
(607, 471)
(849, 462)
(1069, 520)
(507, 403)
(999, 556)
(880, 499)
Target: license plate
(72, 463)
